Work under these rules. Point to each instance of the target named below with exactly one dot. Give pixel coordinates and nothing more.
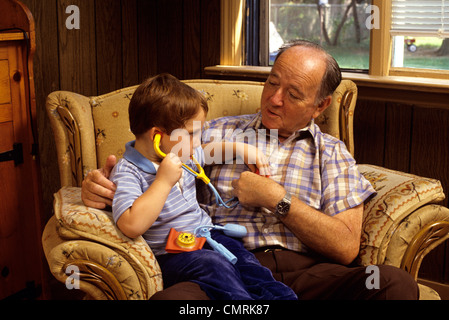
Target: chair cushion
(111, 123)
(110, 111)
(398, 195)
(229, 98)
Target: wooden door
(20, 225)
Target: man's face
(290, 92)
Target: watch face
(283, 207)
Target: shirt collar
(136, 158)
(256, 123)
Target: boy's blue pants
(219, 278)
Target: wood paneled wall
(411, 139)
(119, 44)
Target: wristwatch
(283, 206)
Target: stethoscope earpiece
(156, 144)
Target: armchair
(401, 224)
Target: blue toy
(232, 230)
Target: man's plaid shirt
(313, 166)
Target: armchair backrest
(87, 130)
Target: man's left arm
(336, 237)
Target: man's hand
(336, 237)
(97, 190)
(256, 191)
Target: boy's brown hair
(163, 101)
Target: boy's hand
(170, 169)
(254, 159)
(262, 164)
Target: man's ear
(322, 106)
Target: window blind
(420, 18)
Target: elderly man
(304, 222)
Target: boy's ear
(153, 131)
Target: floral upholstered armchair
(401, 224)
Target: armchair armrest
(95, 269)
(111, 265)
(401, 223)
(417, 235)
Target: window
(397, 37)
(339, 26)
(420, 32)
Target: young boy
(154, 195)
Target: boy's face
(184, 141)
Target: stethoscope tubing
(199, 175)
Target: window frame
(380, 60)
(380, 43)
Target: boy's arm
(221, 152)
(136, 220)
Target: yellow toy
(199, 175)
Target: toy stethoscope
(230, 229)
(186, 241)
(199, 175)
